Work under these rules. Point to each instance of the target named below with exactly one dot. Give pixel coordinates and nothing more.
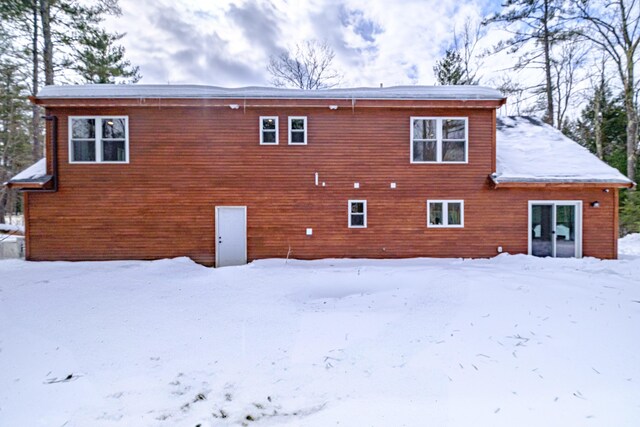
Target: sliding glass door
(555, 229)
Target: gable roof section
(35, 176)
(137, 91)
(530, 151)
(254, 92)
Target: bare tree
(598, 82)
(614, 28)
(465, 43)
(307, 66)
(565, 71)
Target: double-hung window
(357, 214)
(268, 130)
(297, 130)
(439, 139)
(445, 213)
(99, 139)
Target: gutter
(524, 183)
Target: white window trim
(304, 118)
(439, 139)
(445, 214)
(98, 140)
(364, 205)
(262, 130)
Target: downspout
(54, 158)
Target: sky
(228, 43)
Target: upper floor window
(445, 213)
(297, 130)
(357, 214)
(99, 139)
(268, 130)
(439, 139)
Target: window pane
(297, 137)
(268, 124)
(84, 151)
(113, 151)
(424, 129)
(453, 151)
(565, 231)
(83, 128)
(453, 129)
(269, 137)
(357, 207)
(297, 123)
(357, 220)
(435, 213)
(424, 151)
(113, 128)
(455, 213)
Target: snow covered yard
(513, 340)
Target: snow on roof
(529, 150)
(255, 92)
(34, 173)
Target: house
(226, 176)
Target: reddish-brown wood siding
(185, 161)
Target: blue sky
(228, 43)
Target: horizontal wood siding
(185, 161)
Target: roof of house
(531, 151)
(34, 174)
(128, 91)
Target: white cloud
(228, 43)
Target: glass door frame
(554, 203)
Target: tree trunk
(597, 123)
(547, 64)
(45, 17)
(632, 140)
(632, 118)
(35, 119)
(3, 202)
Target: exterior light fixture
(606, 190)
(333, 107)
(595, 204)
(234, 106)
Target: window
(357, 214)
(439, 139)
(297, 130)
(100, 139)
(268, 130)
(445, 213)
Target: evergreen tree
(15, 147)
(608, 111)
(101, 60)
(450, 69)
(630, 213)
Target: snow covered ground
(509, 341)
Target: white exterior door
(555, 228)
(231, 235)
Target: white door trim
(244, 208)
(554, 203)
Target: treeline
(584, 53)
(44, 42)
